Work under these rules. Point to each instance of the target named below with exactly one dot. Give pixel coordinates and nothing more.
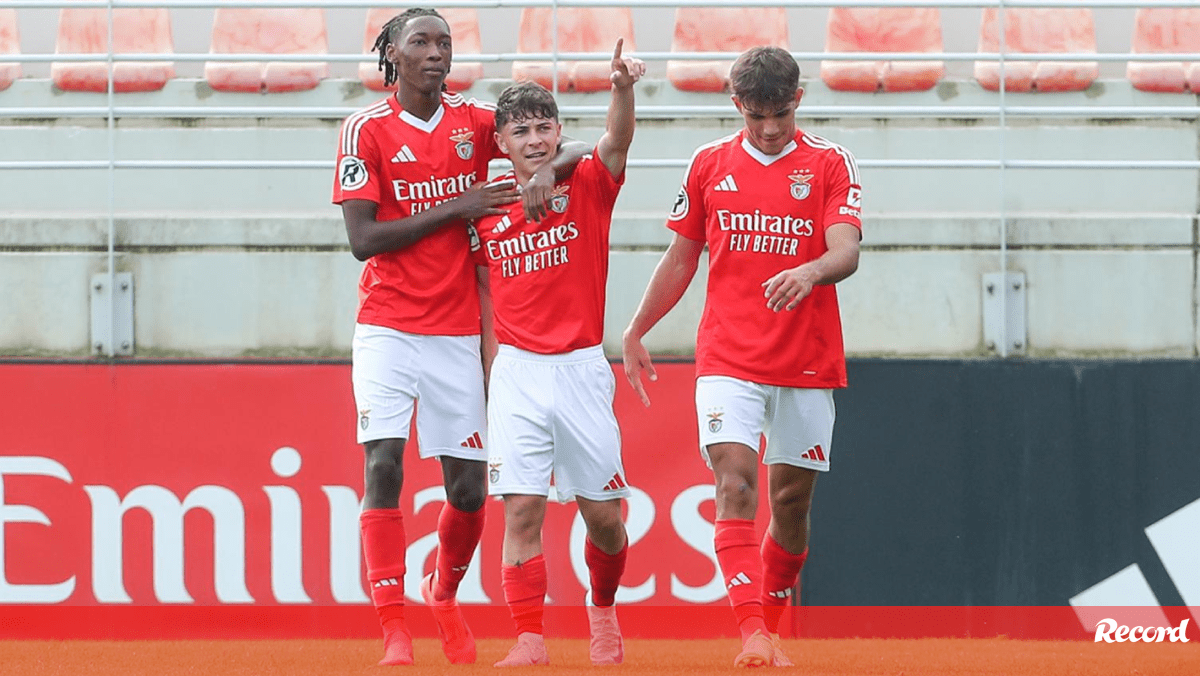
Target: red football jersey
(407, 165)
(548, 279)
(761, 215)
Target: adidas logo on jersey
(816, 454)
(503, 225)
(404, 155)
(727, 184)
(473, 441)
(387, 582)
(738, 580)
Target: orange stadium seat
(464, 28)
(1042, 31)
(9, 44)
(895, 29)
(267, 31)
(1165, 30)
(720, 29)
(580, 29)
(135, 31)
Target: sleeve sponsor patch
(680, 208)
(352, 173)
(854, 198)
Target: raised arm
(670, 279)
(618, 132)
(369, 236)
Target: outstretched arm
(369, 236)
(670, 279)
(618, 133)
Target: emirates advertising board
(238, 486)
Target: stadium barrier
(175, 500)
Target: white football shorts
(551, 417)
(441, 376)
(797, 422)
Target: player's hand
(626, 70)
(637, 360)
(482, 199)
(785, 290)
(536, 194)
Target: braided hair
(394, 28)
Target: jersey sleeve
(358, 174)
(592, 174)
(843, 194)
(687, 215)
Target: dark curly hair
(523, 101)
(392, 30)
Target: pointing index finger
(617, 50)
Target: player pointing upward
(550, 404)
(779, 210)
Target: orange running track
(813, 657)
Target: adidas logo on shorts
(615, 483)
(816, 454)
(473, 441)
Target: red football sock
(458, 535)
(737, 552)
(525, 591)
(781, 569)
(606, 571)
(383, 548)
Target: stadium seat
(1039, 31)
(580, 29)
(135, 31)
(9, 44)
(1165, 30)
(464, 28)
(897, 29)
(267, 31)
(720, 29)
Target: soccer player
(410, 171)
(778, 208)
(550, 398)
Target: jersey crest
(801, 187)
(559, 199)
(463, 145)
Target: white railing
(1001, 110)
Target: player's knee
(384, 471)
(466, 496)
(793, 500)
(736, 495)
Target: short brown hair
(765, 76)
(523, 101)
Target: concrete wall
(254, 262)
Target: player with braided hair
(411, 173)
